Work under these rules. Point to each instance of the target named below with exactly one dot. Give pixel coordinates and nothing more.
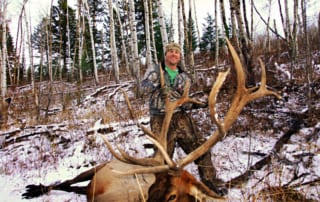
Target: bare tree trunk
(246, 23)
(217, 33)
(294, 41)
(234, 26)
(185, 31)
(42, 44)
(290, 34)
(147, 33)
(245, 42)
(181, 34)
(319, 29)
(191, 55)
(164, 35)
(68, 46)
(30, 49)
(267, 29)
(49, 45)
(80, 29)
(136, 62)
(95, 70)
(170, 37)
(309, 74)
(114, 57)
(154, 49)
(196, 21)
(3, 52)
(224, 19)
(20, 39)
(123, 43)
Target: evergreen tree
(208, 38)
(207, 42)
(39, 40)
(60, 30)
(10, 55)
(98, 14)
(192, 35)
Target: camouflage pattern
(181, 130)
(183, 133)
(151, 85)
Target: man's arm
(151, 79)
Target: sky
(37, 9)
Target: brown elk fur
(172, 186)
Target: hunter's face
(172, 57)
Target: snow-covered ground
(66, 146)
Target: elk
(159, 178)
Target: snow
(68, 145)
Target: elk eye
(172, 197)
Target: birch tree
(290, 29)
(196, 21)
(30, 50)
(154, 48)
(181, 33)
(134, 42)
(123, 43)
(217, 33)
(49, 44)
(68, 61)
(307, 44)
(3, 51)
(147, 33)
(79, 40)
(190, 48)
(244, 41)
(224, 18)
(95, 69)
(164, 35)
(114, 56)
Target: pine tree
(60, 28)
(192, 35)
(208, 37)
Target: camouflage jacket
(151, 85)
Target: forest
(73, 81)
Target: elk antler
(242, 97)
(160, 140)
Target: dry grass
(275, 194)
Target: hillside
(271, 152)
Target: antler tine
(124, 157)
(213, 99)
(170, 107)
(163, 152)
(241, 98)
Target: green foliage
(192, 35)
(60, 30)
(208, 39)
(11, 52)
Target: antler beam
(242, 97)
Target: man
(181, 129)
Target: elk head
(172, 183)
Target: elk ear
(159, 188)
